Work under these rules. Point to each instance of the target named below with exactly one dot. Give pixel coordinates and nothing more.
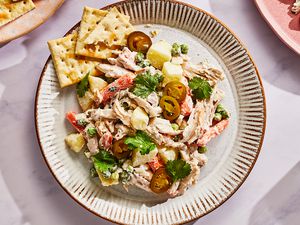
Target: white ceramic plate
(231, 156)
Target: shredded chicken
(122, 131)
(140, 182)
(152, 111)
(127, 59)
(201, 117)
(104, 133)
(212, 75)
(92, 142)
(153, 99)
(97, 114)
(144, 171)
(164, 126)
(121, 113)
(201, 158)
(191, 178)
(113, 71)
(172, 191)
(160, 139)
(92, 145)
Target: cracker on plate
(70, 69)
(90, 18)
(112, 30)
(10, 11)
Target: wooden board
(31, 20)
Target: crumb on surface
(154, 33)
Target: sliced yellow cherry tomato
(170, 107)
(139, 42)
(120, 149)
(160, 181)
(176, 90)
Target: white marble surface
(29, 195)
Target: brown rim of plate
(34, 27)
(261, 139)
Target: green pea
(202, 149)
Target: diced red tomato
(116, 86)
(71, 117)
(212, 132)
(106, 140)
(156, 163)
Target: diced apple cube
(168, 154)
(159, 53)
(139, 159)
(96, 83)
(75, 141)
(171, 72)
(139, 119)
(86, 101)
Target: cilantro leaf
(140, 141)
(146, 83)
(83, 86)
(178, 169)
(201, 89)
(104, 161)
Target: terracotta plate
(231, 156)
(284, 23)
(31, 20)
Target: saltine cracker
(70, 69)
(90, 19)
(112, 30)
(10, 11)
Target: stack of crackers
(100, 33)
(12, 9)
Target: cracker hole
(105, 28)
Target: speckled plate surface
(231, 156)
(31, 20)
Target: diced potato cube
(139, 119)
(159, 53)
(75, 141)
(172, 72)
(86, 101)
(113, 180)
(96, 83)
(139, 159)
(168, 154)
